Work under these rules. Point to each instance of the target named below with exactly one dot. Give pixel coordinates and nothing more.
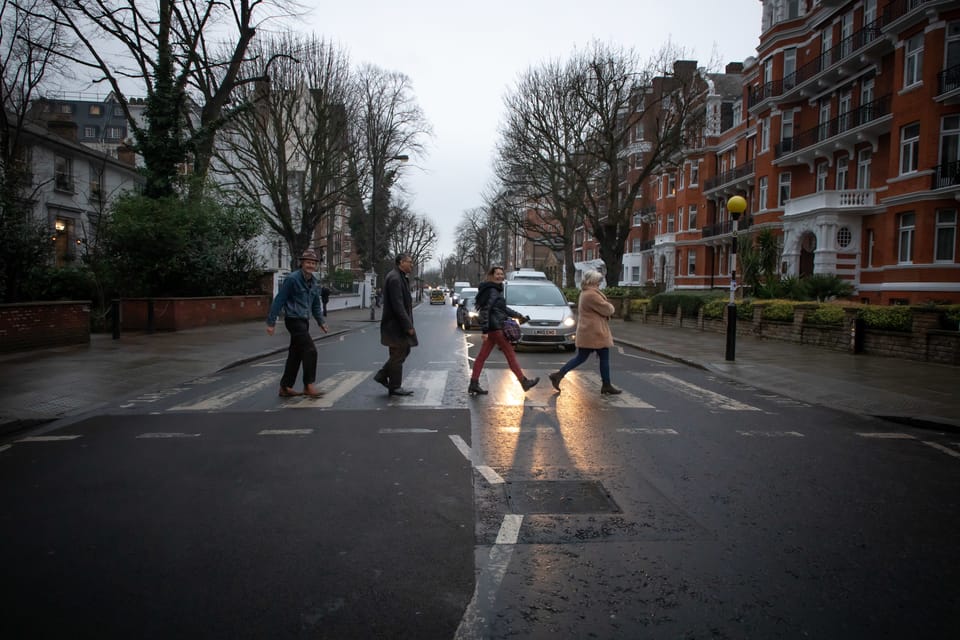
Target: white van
(457, 288)
(525, 273)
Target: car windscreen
(519, 294)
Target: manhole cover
(560, 496)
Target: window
(866, 101)
(90, 133)
(113, 133)
(691, 263)
(692, 220)
(950, 140)
(784, 193)
(636, 245)
(945, 241)
(789, 68)
(786, 131)
(671, 185)
(634, 274)
(671, 218)
(680, 175)
(680, 219)
(63, 174)
(824, 130)
(842, 170)
(864, 158)
(826, 46)
(695, 173)
(909, 148)
(844, 237)
(843, 111)
(822, 170)
(905, 249)
(96, 184)
(792, 9)
(765, 134)
(846, 30)
(913, 61)
(952, 80)
(762, 193)
(95, 110)
(869, 12)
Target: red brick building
(844, 138)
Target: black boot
(528, 383)
(609, 389)
(476, 388)
(555, 379)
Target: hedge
(894, 318)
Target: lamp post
(735, 205)
(373, 237)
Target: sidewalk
(44, 385)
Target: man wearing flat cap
(298, 299)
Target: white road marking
(509, 529)
(407, 431)
(428, 385)
(657, 431)
(530, 430)
(224, 399)
(591, 382)
(144, 436)
(488, 474)
(285, 432)
(334, 388)
(474, 624)
(705, 396)
(886, 435)
(772, 434)
(5, 447)
(46, 438)
(940, 447)
(639, 357)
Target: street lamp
(735, 205)
(373, 237)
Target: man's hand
(411, 331)
(270, 330)
(323, 327)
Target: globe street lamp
(373, 238)
(735, 205)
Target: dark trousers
(302, 351)
(393, 368)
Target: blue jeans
(581, 357)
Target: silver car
(552, 322)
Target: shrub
(827, 314)
(778, 310)
(572, 294)
(822, 286)
(637, 304)
(894, 318)
(951, 316)
(716, 309)
(74, 282)
(745, 310)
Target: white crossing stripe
(528, 430)
(506, 391)
(334, 388)
(940, 447)
(428, 388)
(711, 399)
(285, 432)
(46, 438)
(591, 382)
(225, 398)
(887, 435)
(772, 434)
(510, 529)
(147, 436)
(412, 430)
(488, 474)
(657, 431)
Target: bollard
(115, 317)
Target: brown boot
(311, 391)
(288, 392)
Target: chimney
(127, 155)
(684, 68)
(734, 67)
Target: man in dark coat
(396, 326)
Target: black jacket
(492, 307)
(397, 318)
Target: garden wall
(177, 314)
(34, 325)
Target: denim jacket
(297, 298)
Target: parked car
(457, 288)
(437, 297)
(552, 322)
(467, 317)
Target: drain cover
(560, 496)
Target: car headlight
(569, 321)
(472, 314)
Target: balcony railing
(844, 122)
(949, 79)
(730, 176)
(946, 175)
(833, 200)
(720, 228)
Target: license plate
(545, 332)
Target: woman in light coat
(593, 332)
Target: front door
(808, 244)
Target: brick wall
(35, 325)
(177, 314)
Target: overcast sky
(463, 57)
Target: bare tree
(410, 233)
(541, 195)
(390, 128)
(170, 49)
(287, 155)
(664, 98)
(481, 233)
(26, 45)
